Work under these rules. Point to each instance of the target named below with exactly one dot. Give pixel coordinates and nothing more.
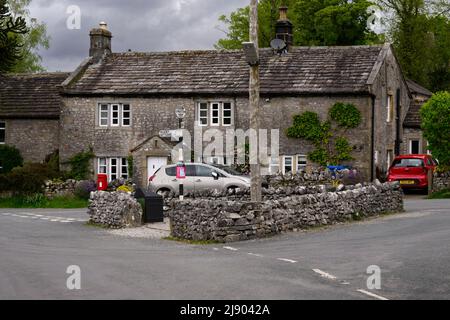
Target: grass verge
(193, 242)
(443, 194)
(40, 202)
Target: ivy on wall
(80, 164)
(328, 137)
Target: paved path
(412, 250)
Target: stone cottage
(29, 113)
(413, 140)
(117, 103)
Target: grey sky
(139, 25)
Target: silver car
(199, 177)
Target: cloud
(139, 25)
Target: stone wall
(441, 181)
(59, 188)
(114, 210)
(226, 220)
(35, 138)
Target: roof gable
(305, 70)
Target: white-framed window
(302, 161)
(114, 167)
(102, 165)
(114, 115)
(390, 158)
(203, 114)
(126, 115)
(2, 132)
(428, 150)
(103, 115)
(288, 162)
(390, 107)
(274, 166)
(414, 146)
(215, 114)
(227, 114)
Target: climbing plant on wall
(328, 137)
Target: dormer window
(114, 115)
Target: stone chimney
(100, 42)
(284, 28)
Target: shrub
(125, 188)
(9, 158)
(80, 164)
(435, 116)
(83, 189)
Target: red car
(412, 170)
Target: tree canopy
(316, 22)
(418, 29)
(35, 39)
(420, 32)
(435, 116)
(11, 29)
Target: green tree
(316, 22)
(10, 158)
(420, 32)
(10, 43)
(435, 116)
(32, 41)
(332, 22)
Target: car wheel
(163, 192)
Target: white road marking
(27, 215)
(324, 274)
(373, 295)
(287, 260)
(216, 249)
(230, 248)
(256, 255)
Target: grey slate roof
(30, 95)
(416, 88)
(305, 70)
(412, 119)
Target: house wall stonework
(387, 82)
(35, 138)
(413, 134)
(80, 130)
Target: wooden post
(255, 169)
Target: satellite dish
(278, 44)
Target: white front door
(153, 164)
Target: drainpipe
(372, 155)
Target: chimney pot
(284, 28)
(100, 41)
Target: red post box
(102, 182)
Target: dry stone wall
(114, 210)
(227, 220)
(441, 181)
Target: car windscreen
(408, 163)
